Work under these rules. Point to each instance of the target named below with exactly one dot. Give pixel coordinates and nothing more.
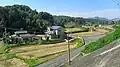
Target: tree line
(23, 17)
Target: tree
(21, 16)
(68, 21)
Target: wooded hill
(18, 17)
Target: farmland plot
(40, 50)
(40, 53)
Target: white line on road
(109, 50)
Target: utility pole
(5, 34)
(69, 61)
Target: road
(63, 58)
(108, 56)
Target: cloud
(107, 13)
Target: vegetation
(36, 61)
(18, 17)
(22, 17)
(97, 21)
(78, 42)
(102, 41)
(108, 29)
(67, 21)
(5, 54)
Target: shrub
(78, 42)
(4, 48)
(31, 62)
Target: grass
(8, 59)
(4, 52)
(102, 41)
(14, 62)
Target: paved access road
(63, 58)
(108, 56)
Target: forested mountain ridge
(22, 16)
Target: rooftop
(55, 27)
(19, 32)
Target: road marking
(109, 50)
(104, 61)
(75, 56)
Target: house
(23, 34)
(55, 32)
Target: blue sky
(76, 8)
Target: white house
(55, 32)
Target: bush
(31, 62)
(78, 42)
(4, 48)
(9, 55)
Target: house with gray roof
(55, 32)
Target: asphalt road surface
(63, 58)
(108, 56)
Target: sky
(76, 8)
